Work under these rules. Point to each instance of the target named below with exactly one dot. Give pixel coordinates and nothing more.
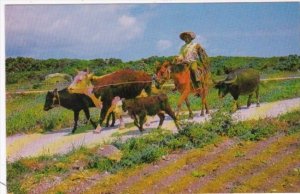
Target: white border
(2, 53)
(8, 2)
(2, 103)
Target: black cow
(139, 108)
(243, 81)
(124, 83)
(75, 102)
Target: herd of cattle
(88, 90)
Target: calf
(139, 108)
(75, 102)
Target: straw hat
(192, 35)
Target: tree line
(20, 69)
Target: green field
(25, 113)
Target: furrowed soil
(264, 166)
(228, 165)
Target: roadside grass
(25, 114)
(25, 173)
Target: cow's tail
(148, 89)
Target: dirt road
(62, 142)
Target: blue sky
(134, 31)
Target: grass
(25, 114)
(148, 148)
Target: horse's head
(82, 83)
(163, 71)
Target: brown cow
(139, 108)
(123, 83)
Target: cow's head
(223, 86)
(82, 83)
(52, 100)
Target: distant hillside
(22, 69)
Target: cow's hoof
(98, 129)
(141, 130)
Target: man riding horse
(195, 57)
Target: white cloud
(93, 29)
(163, 45)
(201, 40)
(127, 21)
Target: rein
(132, 82)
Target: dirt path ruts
(148, 170)
(258, 149)
(279, 156)
(223, 147)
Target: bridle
(166, 75)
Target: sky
(135, 31)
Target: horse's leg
(200, 91)
(205, 100)
(187, 102)
(182, 98)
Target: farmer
(193, 55)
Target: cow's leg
(249, 100)
(113, 119)
(135, 120)
(102, 118)
(108, 119)
(122, 123)
(76, 116)
(88, 117)
(187, 102)
(161, 116)
(142, 117)
(169, 111)
(103, 113)
(236, 104)
(257, 96)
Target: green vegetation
(148, 148)
(25, 113)
(20, 69)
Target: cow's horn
(231, 81)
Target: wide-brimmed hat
(192, 35)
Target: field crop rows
(249, 157)
(270, 165)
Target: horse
(181, 76)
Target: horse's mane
(177, 68)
